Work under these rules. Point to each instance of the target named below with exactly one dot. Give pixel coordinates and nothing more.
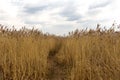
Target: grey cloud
(2, 18)
(34, 22)
(69, 11)
(1, 11)
(17, 2)
(31, 22)
(100, 4)
(3, 15)
(93, 12)
(70, 14)
(31, 9)
(34, 9)
(92, 24)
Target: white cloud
(59, 16)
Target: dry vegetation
(82, 55)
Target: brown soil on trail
(56, 70)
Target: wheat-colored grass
(82, 55)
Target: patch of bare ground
(57, 70)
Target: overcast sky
(59, 16)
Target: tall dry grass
(82, 55)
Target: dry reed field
(82, 55)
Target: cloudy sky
(59, 16)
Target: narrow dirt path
(56, 71)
